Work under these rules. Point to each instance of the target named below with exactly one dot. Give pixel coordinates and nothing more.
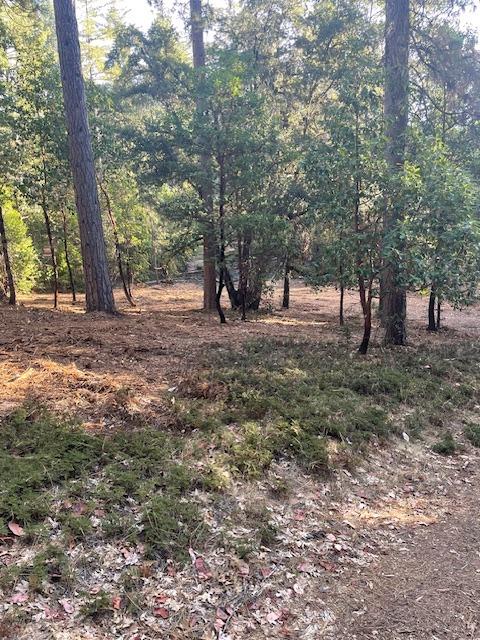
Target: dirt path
(427, 586)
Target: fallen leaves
(66, 605)
(19, 597)
(16, 529)
(161, 612)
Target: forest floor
(144, 492)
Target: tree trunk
(221, 215)
(12, 298)
(206, 186)
(98, 288)
(67, 258)
(342, 305)
(439, 313)
(366, 302)
(286, 287)
(53, 257)
(432, 325)
(233, 294)
(397, 33)
(244, 263)
(118, 249)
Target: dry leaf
(16, 529)
(18, 598)
(202, 568)
(274, 616)
(67, 606)
(161, 612)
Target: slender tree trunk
(12, 297)
(48, 227)
(232, 292)
(221, 215)
(397, 34)
(244, 272)
(206, 187)
(53, 256)
(342, 305)
(98, 288)
(118, 248)
(286, 286)
(439, 313)
(67, 258)
(366, 302)
(432, 324)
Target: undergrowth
(131, 480)
(321, 404)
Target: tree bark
(439, 313)
(366, 302)
(244, 263)
(53, 256)
(432, 324)
(206, 186)
(286, 286)
(67, 258)
(233, 294)
(48, 227)
(98, 288)
(12, 297)
(397, 34)
(221, 215)
(341, 315)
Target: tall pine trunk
(397, 34)
(98, 288)
(206, 186)
(12, 298)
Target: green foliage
(317, 404)
(443, 230)
(472, 432)
(446, 446)
(38, 454)
(21, 251)
(172, 526)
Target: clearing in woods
(169, 508)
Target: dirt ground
(390, 552)
(82, 363)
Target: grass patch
(472, 433)
(288, 398)
(446, 446)
(52, 468)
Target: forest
(239, 298)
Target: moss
(39, 453)
(76, 526)
(116, 525)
